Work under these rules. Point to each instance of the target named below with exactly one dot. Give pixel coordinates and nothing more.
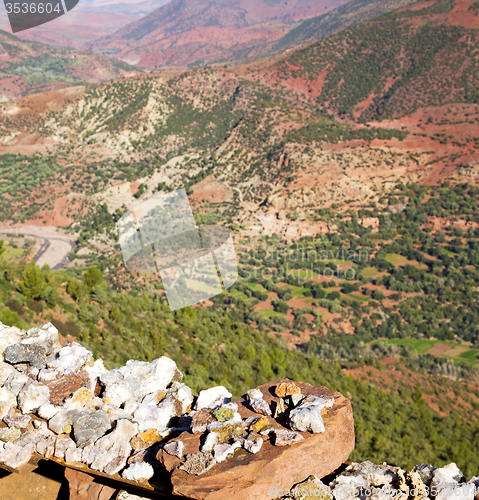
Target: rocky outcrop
(285, 457)
(132, 423)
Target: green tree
(92, 277)
(33, 284)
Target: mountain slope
(347, 15)
(193, 32)
(28, 67)
(398, 62)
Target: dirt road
(54, 244)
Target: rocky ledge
(140, 420)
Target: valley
(346, 170)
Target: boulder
(238, 475)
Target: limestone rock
(212, 439)
(9, 335)
(253, 444)
(213, 397)
(16, 456)
(260, 406)
(239, 473)
(4, 409)
(145, 439)
(62, 444)
(32, 396)
(62, 421)
(138, 378)
(198, 463)
(307, 416)
(35, 348)
(71, 358)
(286, 389)
(284, 437)
(201, 419)
(46, 446)
(175, 448)
(5, 371)
(141, 471)
(16, 382)
(89, 426)
(154, 398)
(14, 419)
(7, 396)
(256, 401)
(48, 411)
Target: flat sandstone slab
(274, 469)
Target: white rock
(307, 416)
(254, 394)
(16, 382)
(116, 446)
(152, 399)
(211, 398)
(48, 411)
(159, 416)
(175, 448)
(253, 446)
(347, 487)
(15, 456)
(212, 439)
(94, 373)
(4, 409)
(89, 453)
(448, 474)
(9, 335)
(119, 393)
(46, 446)
(131, 406)
(122, 433)
(32, 396)
(14, 419)
(73, 455)
(46, 375)
(185, 396)
(62, 419)
(139, 378)
(138, 471)
(223, 451)
(63, 444)
(7, 396)
(71, 358)
(260, 406)
(102, 460)
(5, 371)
